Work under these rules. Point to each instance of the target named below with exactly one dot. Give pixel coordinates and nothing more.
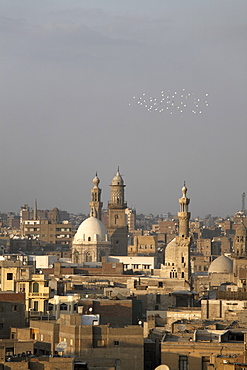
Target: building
(144, 245)
(91, 242)
(46, 231)
(99, 345)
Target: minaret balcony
(117, 205)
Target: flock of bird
(173, 102)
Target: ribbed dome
(91, 229)
(117, 179)
(221, 265)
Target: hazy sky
(70, 69)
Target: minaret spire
(184, 215)
(96, 204)
(35, 217)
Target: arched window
(63, 307)
(35, 287)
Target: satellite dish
(61, 346)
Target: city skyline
(69, 75)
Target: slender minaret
(35, 210)
(96, 204)
(183, 240)
(184, 215)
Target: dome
(221, 265)
(91, 229)
(117, 179)
(96, 181)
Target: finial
(184, 190)
(96, 174)
(117, 168)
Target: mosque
(93, 241)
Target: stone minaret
(96, 204)
(184, 215)
(117, 227)
(183, 240)
(240, 241)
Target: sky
(74, 75)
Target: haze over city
(69, 72)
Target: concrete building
(44, 230)
(99, 345)
(141, 264)
(12, 312)
(200, 348)
(144, 245)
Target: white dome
(91, 229)
(221, 264)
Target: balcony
(39, 295)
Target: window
(35, 305)
(158, 298)
(9, 276)
(14, 307)
(183, 363)
(116, 343)
(1, 326)
(35, 287)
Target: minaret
(177, 252)
(184, 215)
(183, 240)
(240, 241)
(117, 191)
(35, 211)
(96, 204)
(117, 227)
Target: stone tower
(96, 204)
(35, 210)
(117, 224)
(177, 252)
(240, 241)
